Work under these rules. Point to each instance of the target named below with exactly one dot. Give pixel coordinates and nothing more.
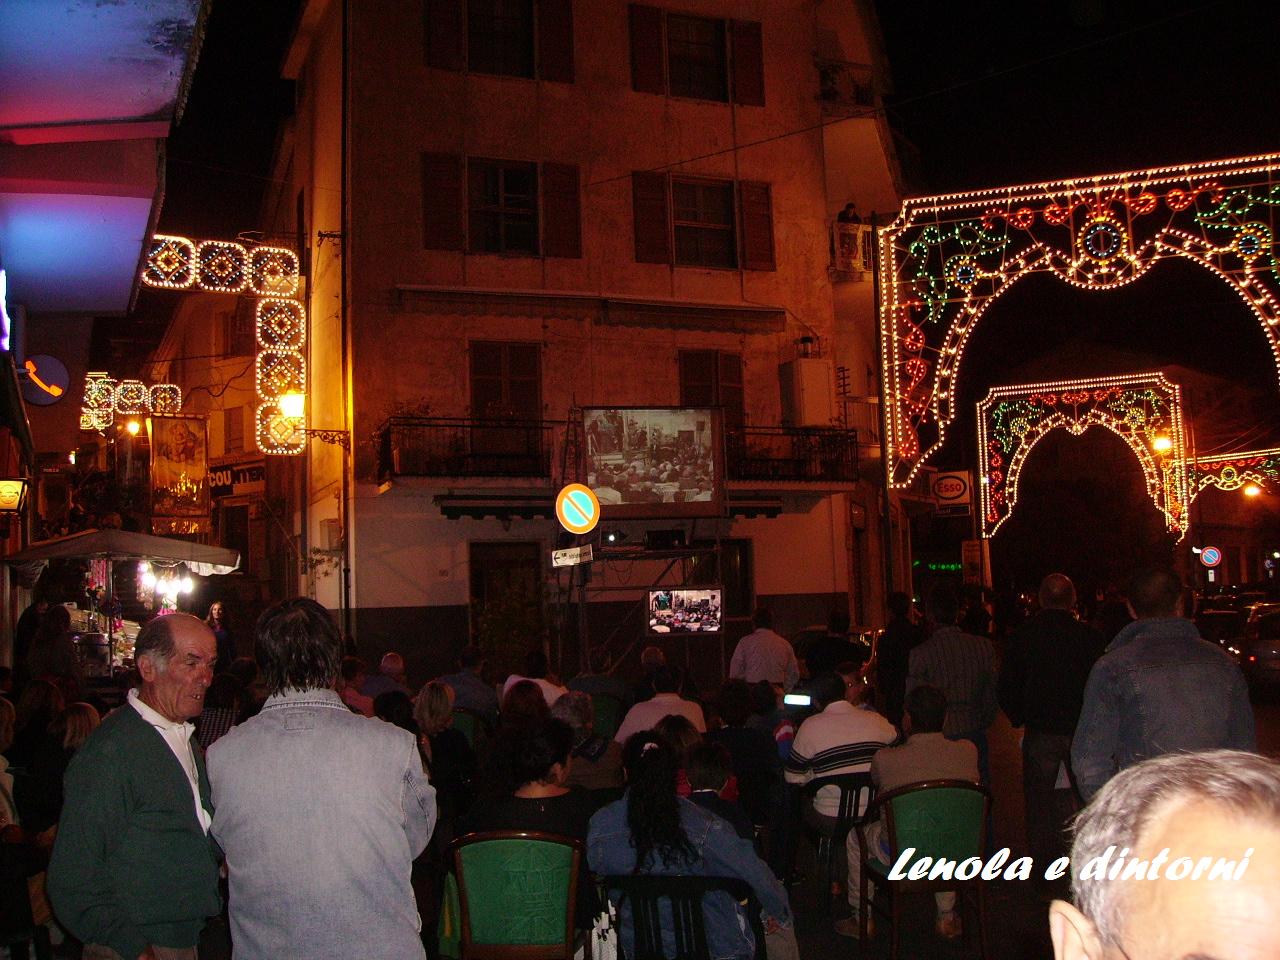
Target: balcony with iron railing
(412, 446)
(792, 454)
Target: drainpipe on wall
(348, 460)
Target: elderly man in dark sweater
(134, 873)
(1046, 664)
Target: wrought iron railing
(467, 447)
(464, 447)
(851, 249)
(803, 454)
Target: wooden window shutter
(442, 201)
(697, 378)
(731, 395)
(561, 211)
(650, 206)
(445, 35)
(748, 63)
(756, 215)
(555, 40)
(647, 75)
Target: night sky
(989, 94)
(217, 156)
(985, 93)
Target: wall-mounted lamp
(294, 406)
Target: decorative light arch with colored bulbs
(1143, 409)
(946, 259)
(1237, 471)
(280, 321)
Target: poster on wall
(179, 474)
(654, 462)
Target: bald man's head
(1057, 592)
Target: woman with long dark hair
(652, 831)
(533, 767)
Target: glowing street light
(1253, 490)
(293, 405)
(1162, 444)
(133, 427)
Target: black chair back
(857, 790)
(684, 897)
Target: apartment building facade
(508, 210)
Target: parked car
(1259, 650)
(1223, 627)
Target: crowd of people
(298, 803)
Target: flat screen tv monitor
(680, 612)
(655, 462)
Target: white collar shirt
(178, 737)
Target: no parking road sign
(577, 508)
(1211, 556)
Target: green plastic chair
(608, 714)
(516, 895)
(941, 819)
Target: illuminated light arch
(945, 260)
(1143, 409)
(1232, 471)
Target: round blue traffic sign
(1211, 556)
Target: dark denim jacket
(1158, 689)
(720, 853)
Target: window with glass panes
(500, 37)
(702, 217)
(697, 58)
(503, 214)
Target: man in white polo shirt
(645, 714)
(841, 739)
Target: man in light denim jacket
(1159, 688)
(320, 811)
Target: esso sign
(950, 487)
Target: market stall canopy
(200, 558)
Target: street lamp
(294, 406)
(1252, 490)
(1162, 444)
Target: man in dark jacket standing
(1046, 664)
(893, 652)
(1158, 689)
(134, 873)
(963, 667)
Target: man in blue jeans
(1158, 689)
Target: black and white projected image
(654, 461)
